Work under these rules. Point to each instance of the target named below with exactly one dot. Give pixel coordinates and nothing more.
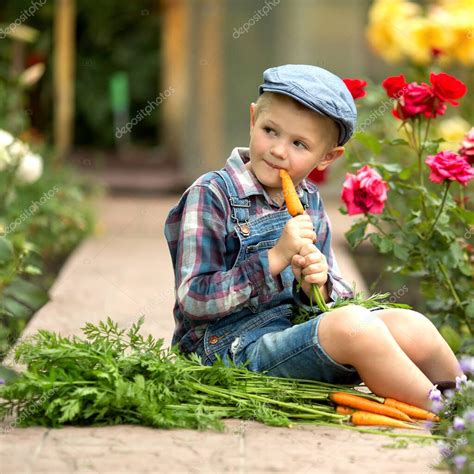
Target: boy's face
(284, 135)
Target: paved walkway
(125, 271)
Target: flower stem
(440, 210)
(461, 198)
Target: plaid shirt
(207, 286)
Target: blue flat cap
(317, 89)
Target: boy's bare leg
(351, 335)
(418, 337)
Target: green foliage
(41, 222)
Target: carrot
(344, 410)
(366, 418)
(293, 203)
(353, 401)
(411, 410)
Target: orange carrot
(353, 401)
(292, 199)
(344, 410)
(371, 419)
(411, 410)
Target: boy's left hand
(312, 265)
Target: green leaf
(16, 309)
(369, 141)
(466, 215)
(390, 167)
(27, 293)
(451, 337)
(355, 235)
(6, 250)
(400, 251)
(32, 270)
(70, 409)
(431, 146)
(466, 268)
(405, 174)
(383, 245)
(396, 142)
(470, 310)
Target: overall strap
(240, 207)
(305, 199)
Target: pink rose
(467, 147)
(364, 192)
(448, 165)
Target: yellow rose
(424, 37)
(453, 131)
(458, 21)
(387, 24)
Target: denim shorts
(294, 352)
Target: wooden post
(64, 75)
(175, 44)
(210, 91)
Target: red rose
(356, 87)
(416, 99)
(467, 147)
(317, 176)
(393, 85)
(449, 166)
(364, 192)
(447, 88)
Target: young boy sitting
(238, 255)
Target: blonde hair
(265, 99)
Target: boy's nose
(279, 150)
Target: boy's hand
(297, 232)
(311, 264)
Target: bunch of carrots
(386, 412)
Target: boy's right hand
(297, 232)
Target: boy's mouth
(272, 166)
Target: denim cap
(317, 89)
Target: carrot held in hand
(292, 199)
(365, 404)
(411, 410)
(295, 208)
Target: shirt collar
(247, 183)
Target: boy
(237, 256)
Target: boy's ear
(252, 115)
(330, 157)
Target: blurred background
(142, 97)
(166, 85)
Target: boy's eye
(268, 130)
(301, 145)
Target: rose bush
(414, 210)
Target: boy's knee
(351, 323)
(344, 331)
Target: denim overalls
(255, 234)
